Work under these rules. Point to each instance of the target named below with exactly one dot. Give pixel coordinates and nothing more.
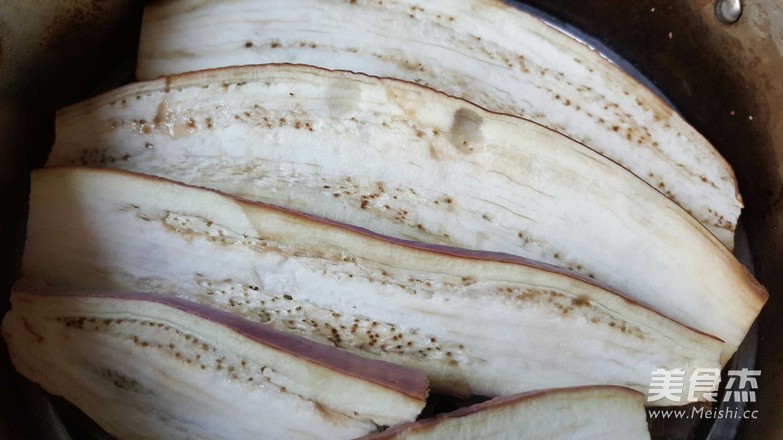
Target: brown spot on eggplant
(467, 281)
(465, 130)
(38, 337)
(161, 114)
(581, 301)
(122, 381)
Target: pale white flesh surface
(485, 51)
(584, 413)
(473, 324)
(146, 366)
(407, 162)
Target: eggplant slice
(155, 366)
(476, 323)
(485, 51)
(584, 413)
(407, 162)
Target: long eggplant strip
(476, 323)
(584, 413)
(485, 51)
(156, 366)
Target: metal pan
(723, 78)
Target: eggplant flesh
(475, 323)
(408, 162)
(485, 51)
(583, 413)
(153, 366)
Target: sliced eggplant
(584, 413)
(476, 323)
(155, 366)
(485, 51)
(407, 162)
